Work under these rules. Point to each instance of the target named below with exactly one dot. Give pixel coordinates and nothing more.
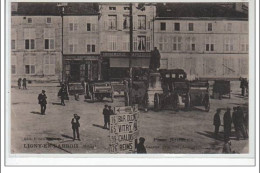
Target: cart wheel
(157, 105)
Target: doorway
(75, 72)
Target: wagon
(199, 94)
(221, 88)
(175, 90)
(98, 90)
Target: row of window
(113, 24)
(111, 8)
(140, 43)
(89, 27)
(30, 65)
(29, 20)
(176, 43)
(190, 27)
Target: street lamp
(61, 7)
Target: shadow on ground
(96, 125)
(38, 113)
(212, 135)
(66, 136)
(56, 103)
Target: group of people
(22, 82)
(107, 111)
(238, 119)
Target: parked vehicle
(98, 90)
(221, 88)
(175, 90)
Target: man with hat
(42, 100)
(75, 126)
(106, 114)
(227, 120)
(140, 148)
(217, 122)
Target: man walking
(42, 100)
(62, 94)
(75, 126)
(106, 116)
(217, 122)
(227, 124)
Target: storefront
(82, 67)
(115, 65)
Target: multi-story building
(35, 41)
(81, 57)
(114, 31)
(206, 40)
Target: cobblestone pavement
(166, 131)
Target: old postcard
(138, 78)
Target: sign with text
(123, 132)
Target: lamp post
(130, 56)
(61, 7)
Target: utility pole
(61, 7)
(130, 56)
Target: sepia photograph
(129, 78)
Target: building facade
(81, 48)
(206, 40)
(114, 31)
(35, 46)
(213, 46)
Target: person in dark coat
(24, 83)
(19, 83)
(240, 122)
(140, 146)
(111, 112)
(217, 122)
(234, 120)
(106, 116)
(227, 120)
(42, 100)
(75, 126)
(242, 85)
(63, 93)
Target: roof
(51, 9)
(197, 10)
